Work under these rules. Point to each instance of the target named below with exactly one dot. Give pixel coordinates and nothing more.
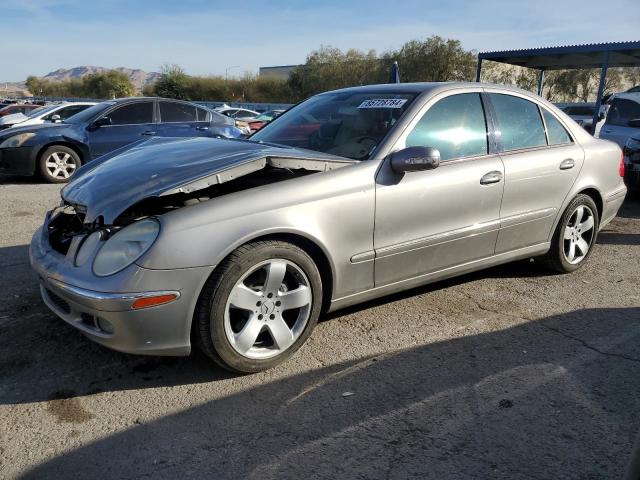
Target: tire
(581, 234)
(244, 299)
(58, 163)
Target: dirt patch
(66, 408)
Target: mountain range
(139, 78)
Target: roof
(621, 54)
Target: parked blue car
(56, 151)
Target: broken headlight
(125, 247)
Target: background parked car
(261, 120)
(17, 108)
(47, 114)
(57, 150)
(582, 113)
(631, 152)
(239, 115)
(623, 118)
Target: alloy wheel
(578, 234)
(268, 309)
(60, 165)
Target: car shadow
(617, 238)
(32, 338)
(19, 180)
(555, 397)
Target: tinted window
(134, 113)
(621, 111)
(519, 122)
(92, 112)
(202, 114)
(177, 112)
(455, 125)
(555, 131)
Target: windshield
(89, 113)
(347, 124)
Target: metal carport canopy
(594, 55)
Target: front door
(129, 123)
(429, 221)
(541, 163)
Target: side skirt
(376, 292)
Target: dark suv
(56, 151)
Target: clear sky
(207, 37)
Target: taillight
(621, 167)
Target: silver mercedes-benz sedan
(239, 245)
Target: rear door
(616, 127)
(129, 123)
(432, 220)
(180, 119)
(541, 163)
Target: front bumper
(101, 308)
(17, 161)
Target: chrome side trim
(439, 238)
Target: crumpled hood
(106, 187)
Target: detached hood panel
(163, 166)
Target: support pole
(540, 82)
(603, 77)
(478, 69)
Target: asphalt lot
(508, 373)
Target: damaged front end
(74, 220)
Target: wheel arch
(596, 196)
(65, 143)
(310, 246)
(313, 248)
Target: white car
(239, 115)
(49, 113)
(623, 118)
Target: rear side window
(134, 113)
(556, 133)
(519, 122)
(202, 114)
(621, 111)
(177, 112)
(455, 126)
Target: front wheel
(58, 163)
(575, 235)
(259, 306)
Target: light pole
(226, 71)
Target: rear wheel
(58, 163)
(575, 235)
(259, 306)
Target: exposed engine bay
(68, 220)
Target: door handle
(148, 133)
(567, 164)
(491, 177)
(202, 128)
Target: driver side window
(455, 126)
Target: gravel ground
(507, 373)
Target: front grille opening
(59, 302)
(64, 226)
(89, 320)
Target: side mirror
(414, 159)
(55, 118)
(601, 116)
(102, 121)
(634, 123)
